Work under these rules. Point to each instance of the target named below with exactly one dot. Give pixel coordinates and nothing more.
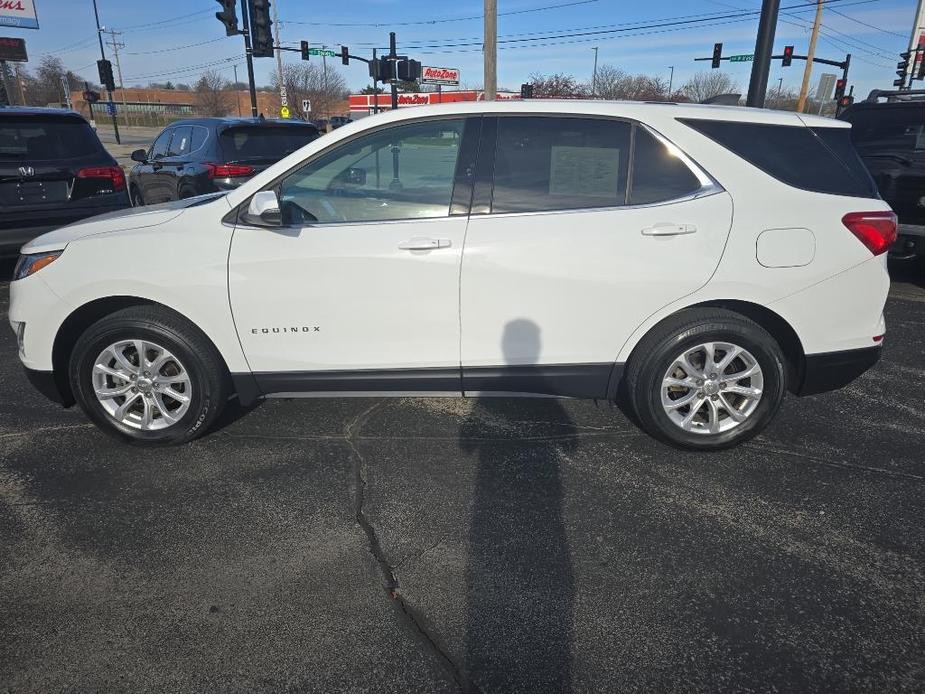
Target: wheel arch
(775, 324)
(86, 315)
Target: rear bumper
(46, 383)
(832, 370)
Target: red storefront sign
(364, 103)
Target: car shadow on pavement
(519, 574)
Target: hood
(121, 220)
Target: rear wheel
(148, 377)
(706, 379)
(137, 200)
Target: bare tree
(326, 90)
(46, 86)
(555, 85)
(211, 94)
(705, 85)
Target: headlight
(30, 264)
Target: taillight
(876, 230)
(111, 173)
(229, 170)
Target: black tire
(686, 330)
(208, 378)
(137, 199)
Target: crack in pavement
(392, 585)
(764, 446)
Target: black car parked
(53, 171)
(205, 155)
(889, 136)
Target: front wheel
(706, 379)
(148, 377)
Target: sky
(176, 39)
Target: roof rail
(893, 95)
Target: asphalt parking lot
(498, 545)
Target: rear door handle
(423, 244)
(669, 229)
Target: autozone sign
(439, 75)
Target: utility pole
(780, 87)
(594, 74)
(249, 54)
(283, 97)
(761, 65)
(67, 92)
(116, 45)
(99, 35)
(376, 106)
(490, 49)
(810, 54)
(670, 81)
(237, 95)
(22, 86)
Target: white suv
(692, 262)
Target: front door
(578, 247)
(359, 290)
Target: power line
(871, 26)
(181, 18)
(177, 48)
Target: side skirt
(546, 380)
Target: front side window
(180, 144)
(159, 148)
(402, 172)
(545, 163)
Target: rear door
(587, 227)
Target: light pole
(99, 35)
(670, 81)
(594, 74)
(237, 95)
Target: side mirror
(263, 210)
(140, 156)
(355, 177)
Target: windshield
(37, 138)
(267, 143)
(888, 129)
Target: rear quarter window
(815, 160)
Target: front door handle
(423, 244)
(669, 230)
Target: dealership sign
(439, 75)
(18, 13)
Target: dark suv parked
(53, 171)
(889, 136)
(205, 155)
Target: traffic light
(228, 17)
(840, 89)
(788, 56)
(845, 101)
(717, 54)
(303, 45)
(91, 97)
(408, 70)
(261, 29)
(382, 70)
(526, 91)
(345, 55)
(902, 69)
(106, 78)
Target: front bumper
(833, 370)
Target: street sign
(744, 58)
(439, 75)
(283, 111)
(19, 14)
(110, 108)
(321, 51)
(306, 106)
(13, 50)
(826, 86)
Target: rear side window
(267, 143)
(658, 173)
(838, 140)
(180, 143)
(39, 138)
(560, 163)
(794, 155)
